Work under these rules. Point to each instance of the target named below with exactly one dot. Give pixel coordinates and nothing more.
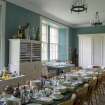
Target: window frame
(56, 44)
(44, 42)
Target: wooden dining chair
(96, 66)
(70, 101)
(66, 70)
(92, 91)
(103, 82)
(81, 93)
(10, 102)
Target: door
(97, 43)
(85, 51)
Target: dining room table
(72, 82)
(60, 88)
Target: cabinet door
(103, 51)
(35, 51)
(25, 51)
(97, 50)
(85, 46)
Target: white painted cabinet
(23, 51)
(92, 50)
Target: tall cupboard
(91, 50)
(22, 53)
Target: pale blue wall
(16, 16)
(90, 30)
(63, 40)
(87, 30)
(72, 40)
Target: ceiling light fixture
(96, 21)
(79, 6)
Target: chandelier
(96, 21)
(79, 6)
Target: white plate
(56, 97)
(76, 83)
(45, 99)
(12, 98)
(33, 104)
(60, 87)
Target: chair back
(96, 66)
(44, 70)
(82, 91)
(70, 101)
(67, 70)
(92, 85)
(10, 102)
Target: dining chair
(103, 82)
(67, 70)
(96, 66)
(44, 70)
(78, 68)
(102, 88)
(13, 102)
(47, 73)
(99, 87)
(92, 90)
(81, 93)
(70, 101)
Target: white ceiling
(59, 10)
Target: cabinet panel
(97, 50)
(25, 52)
(104, 51)
(85, 52)
(36, 51)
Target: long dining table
(71, 81)
(65, 84)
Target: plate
(33, 104)
(57, 97)
(67, 83)
(45, 99)
(62, 89)
(76, 83)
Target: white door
(97, 51)
(103, 51)
(85, 51)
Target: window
(49, 47)
(44, 53)
(54, 43)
